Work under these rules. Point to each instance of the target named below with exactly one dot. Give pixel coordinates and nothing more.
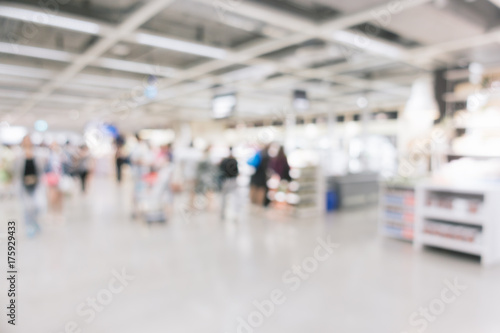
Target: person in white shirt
(141, 160)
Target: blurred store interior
(254, 166)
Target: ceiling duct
(482, 13)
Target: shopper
(205, 184)
(280, 166)
(83, 168)
(229, 173)
(187, 160)
(69, 159)
(29, 171)
(258, 181)
(141, 160)
(120, 157)
(161, 195)
(54, 180)
(7, 158)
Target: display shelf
(396, 210)
(451, 244)
(453, 216)
(310, 192)
(479, 230)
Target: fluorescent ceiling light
(105, 81)
(35, 52)
(31, 72)
(13, 94)
(180, 46)
(91, 90)
(135, 67)
(9, 101)
(362, 42)
(256, 72)
(122, 65)
(67, 99)
(56, 20)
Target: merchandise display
(355, 189)
(461, 218)
(397, 210)
(307, 191)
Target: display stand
(397, 210)
(354, 190)
(310, 192)
(462, 218)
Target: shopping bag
(51, 179)
(150, 178)
(255, 160)
(66, 184)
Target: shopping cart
(151, 198)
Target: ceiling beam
(132, 23)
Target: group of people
(158, 173)
(267, 162)
(41, 172)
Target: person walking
(141, 160)
(83, 167)
(54, 180)
(229, 173)
(120, 158)
(206, 182)
(29, 171)
(258, 181)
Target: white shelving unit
(460, 217)
(397, 210)
(311, 193)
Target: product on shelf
(456, 204)
(453, 231)
(460, 217)
(397, 210)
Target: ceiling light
(42, 18)
(104, 81)
(13, 94)
(180, 46)
(65, 99)
(476, 71)
(35, 52)
(421, 109)
(136, 67)
(122, 65)
(362, 42)
(25, 71)
(41, 125)
(256, 72)
(362, 102)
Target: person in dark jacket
(280, 166)
(258, 181)
(228, 168)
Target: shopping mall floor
(201, 274)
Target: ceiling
(76, 61)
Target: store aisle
(199, 274)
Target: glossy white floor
(201, 275)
